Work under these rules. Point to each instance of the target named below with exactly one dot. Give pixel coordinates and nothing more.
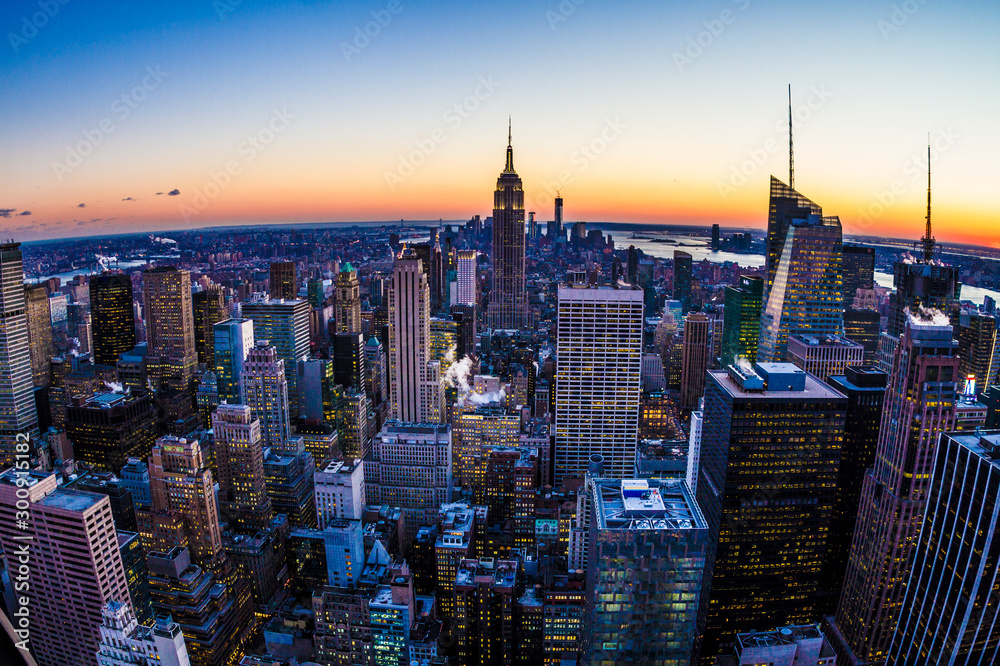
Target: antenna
(508, 131)
(928, 239)
(791, 152)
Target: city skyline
(331, 146)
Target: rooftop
(646, 504)
(814, 388)
(71, 500)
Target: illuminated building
(564, 618)
(172, 358)
(392, 609)
(259, 558)
(509, 491)
(264, 388)
(136, 573)
(948, 614)
(339, 490)
(348, 297)
(417, 394)
(529, 626)
(922, 284)
(695, 356)
(320, 439)
(804, 290)
(648, 543)
(475, 433)
(180, 485)
(454, 543)
(682, 279)
(239, 459)
(769, 458)
(209, 309)
(348, 353)
(285, 324)
(109, 428)
(74, 565)
(375, 382)
(599, 350)
(824, 355)
(468, 278)
(859, 271)
(444, 341)
(36, 303)
(508, 298)
(203, 606)
(977, 345)
(288, 474)
(343, 625)
(345, 551)
(485, 593)
(206, 397)
(284, 281)
(125, 642)
(802, 645)
(919, 406)
(352, 417)
(18, 414)
(864, 327)
(112, 316)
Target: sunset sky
(659, 111)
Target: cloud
(25, 212)
(128, 199)
(83, 205)
(173, 193)
(6, 212)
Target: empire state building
(508, 302)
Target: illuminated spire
(791, 153)
(928, 239)
(509, 167)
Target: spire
(509, 167)
(791, 153)
(928, 239)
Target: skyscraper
(125, 642)
(824, 355)
(239, 458)
(264, 388)
(284, 281)
(859, 271)
(599, 352)
(285, 324)
(919, 406)
(741, 320)
(949, 615)
(18, 416)
(70, 552)
(232, 340)
(172, 358)
(112, 316)
(417, 395)
(468, 278)
(36, 301)
(508, 298)
(683, 267)
(804, 293)
(108, 428)
(785, 204)
(695, 357)
(977, 350)
(348, 297)
(209, 309)
(348, 354)
(770, 451)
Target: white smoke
(744, 365)
(115, 387)
(103, 263)
(459, 375)
(927, 317)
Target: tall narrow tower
(264, 388)
(508, 300)
(172, 357)
(18, 417)
(113, 316)
(348, 291)
(239, 456)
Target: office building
(695, 355)
(288, 478)
(741, 319)
(345, 551)
(239, 457)
(106, 483)
(770, 453)
(508, 299)
(319, 394)
(454, 543)
(417, 394)
(919, 406)
(977, 350)
(125, 642)
(339, 490)
(348, 354)
(468, 278)
(284, 281)
(232, 341)
(348, 296)
(475, 433)
(485, 593)
(683, 267)
(209, 309)
(599, 349)
(824, 355)
(864, 327)
(36, 303)
(18, 416)
(645, 569)
(264, 388)
(948, 616)
(136, 573)
(796, 645)
(859, 271)
(171, 359)
(112, 317)
(108, 428)
(74, 565)
(393, 610)
(285, 324)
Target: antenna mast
(928, 239)
(791, 153)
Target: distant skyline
(125, 117)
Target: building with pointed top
(348, 296)
(508, 298)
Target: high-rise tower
(348, 291)
(18, 416)
(239, 456)
(232, 340)
(682, 279)
(36, 300)
(265, 390)
(286, 325)
(284, 281)
(172, 358)
(508, 299)
(112, 316)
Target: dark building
(864, 327)
(348, 352)
(925, 285)
(633, 265)
(284, 282)
(136, 574)
(683, 268)
(977, 336)
(991, 398)
(741, 320)
(485, 592)
(859, 270)
(864, 387)
(715, 238)
(106, 483)
(112, 317)
(109, 428)
(770, 453)
(209, 309)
